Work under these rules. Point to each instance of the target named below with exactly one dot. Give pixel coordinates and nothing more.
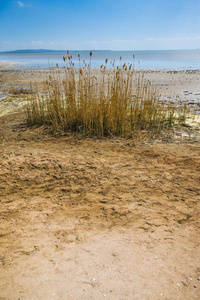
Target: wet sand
(98, 219)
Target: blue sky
(100, 24)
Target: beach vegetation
(111, 101)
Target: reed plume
(116, 101)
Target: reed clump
(115, 101)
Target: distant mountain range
(52, 51)
(48, 51)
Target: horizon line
(95, 50)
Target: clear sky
(100, 24)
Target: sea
(153, 60)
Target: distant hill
(48, 51)
(33, 51)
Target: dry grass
(110, 101)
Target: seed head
(90, 53)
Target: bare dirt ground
(98, 219)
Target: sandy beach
(171, 84)
(88, 218)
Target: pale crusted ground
(172, 85)
(98, 219)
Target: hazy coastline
(152, 59)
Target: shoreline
(172, 85)
(182, 83)
(4, 64)
(21, 66)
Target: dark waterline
(155, 59)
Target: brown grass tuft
(103, 102)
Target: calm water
(165, 59)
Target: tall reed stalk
(116, 101)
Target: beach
(95, 218)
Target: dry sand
(98, 219)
